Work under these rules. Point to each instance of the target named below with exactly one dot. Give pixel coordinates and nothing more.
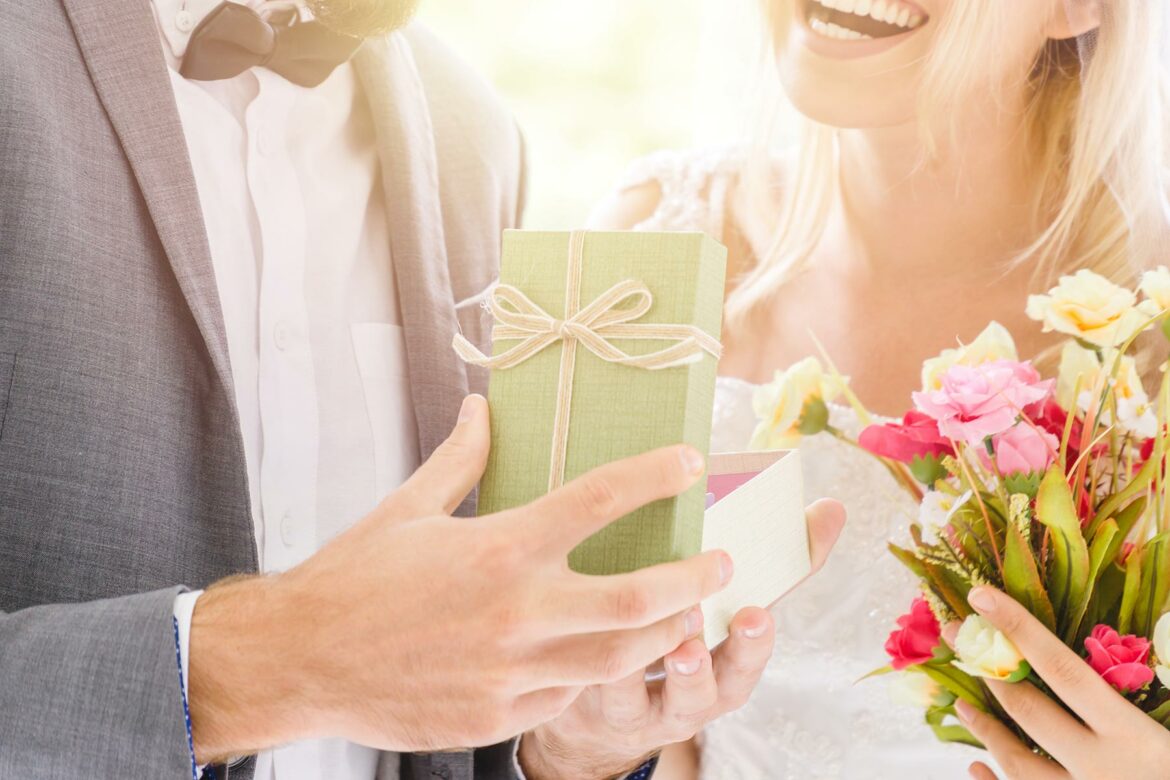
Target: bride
(955, 156)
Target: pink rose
(975, 402)
(916, 436)
(1025, 450)
(1123, 661)
(917, 637)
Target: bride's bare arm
(679, 762)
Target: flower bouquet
(1051, 489)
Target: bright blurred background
(596, 84)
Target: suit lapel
(120, 44)
(410, 185)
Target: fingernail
(965, 711)
(983, 599)
(469, 408)
(686, 667)
(694, 622)
(692, 461)
(754, 632)
(726, 568)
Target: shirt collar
(178, 18)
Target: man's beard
(363, 18)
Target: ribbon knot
(611, 316)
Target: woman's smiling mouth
(862, 20)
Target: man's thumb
(453, 469)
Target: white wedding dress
(810, 718)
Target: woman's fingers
(1070, 678)
(1046, 722)
(1017, 762)
(981, 771)
(690, 692)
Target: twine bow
(610, 316)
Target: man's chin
(363, 18)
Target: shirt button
(184, 21)
(280, 336)
(288, 531)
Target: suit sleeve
(92, 690)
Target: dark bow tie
(233, 38)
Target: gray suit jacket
(122, 476)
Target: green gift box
(605, 345)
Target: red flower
(916, 436)
(1123, 661)
(1050, 417)
(917, 637)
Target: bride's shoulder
(673, 190)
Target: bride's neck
(966, 207)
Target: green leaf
(958, 682)
(1136, 487)
(1129, 594)
(949, 732)
(1155, 586)
(1162, 714)
(1027, 484)
(929, 469)
(1021, 578)
(1068, 571)
(908, 559)
(1098, 560)
(1126, 520)
(887, 669)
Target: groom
(232, 249)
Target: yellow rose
(983, 651)
(1156, 287)
(1134, 410)
(915, 689)
(994, 343)
(1162, 649)
(1091, 308)
(779, 404)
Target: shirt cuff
(644, 772)
(184, 608)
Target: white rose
(936, 510)
(1091, 308)
(983, 651)
(994, 343)
(1156, 287)
(1162, 649)
(778, 405)
(1135, 412)
(914, 689)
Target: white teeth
(891, 12)
(830, 30)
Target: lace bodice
(809, 719)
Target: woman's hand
(1112, 738)
(610, 729)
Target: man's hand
(417, 631)
(611, 729)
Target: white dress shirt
(289, 184)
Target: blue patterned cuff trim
(208, 774)
(645, 771)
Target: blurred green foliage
(593, 84)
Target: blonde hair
(1098, 119)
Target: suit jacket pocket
(7, 374)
